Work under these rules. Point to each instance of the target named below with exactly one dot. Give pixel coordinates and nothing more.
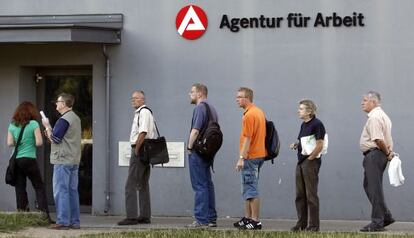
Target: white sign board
(175, 152)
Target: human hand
(239, 165)
(293, 146)
(45, 122)
(390, 156)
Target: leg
(247, 209)
(61, 175)
(374, 165)
(143, 173)
(33, 173)
(199, 183)
(250, 178)
(310, 173)
(74, 196)
(255, 208)
(22, 202)
(131, 187)
(300, 201)
(212, 213)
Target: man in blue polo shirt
(307, 169)
(204, 203)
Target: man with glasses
(65, 154)
(252, 153)
(143, 127)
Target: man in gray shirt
(65, 138)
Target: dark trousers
(307, 200)
(28, 168)
(138, 179)
(374, 164)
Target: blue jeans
(65, 193)
(203, 187)
(250, 178)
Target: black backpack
(210, 138)
(272, 141)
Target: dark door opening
(77, 82)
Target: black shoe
(143, 220)
(252, 225)
(128, 221)
(312, 229)
(388, 221)
(212, 224)
(372, 228)
(297, 228)
(244, 221)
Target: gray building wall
(332, 66)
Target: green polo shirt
(27, 146)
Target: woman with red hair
(26, 165)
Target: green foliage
(237, 234)
(19, 220)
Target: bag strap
(209, 118)
(19, 139)
(156, 127)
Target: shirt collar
(136, 111)
(373, 111)
(248, 108)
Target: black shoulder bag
(155, 150)
(10, 172)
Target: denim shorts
(250, 178)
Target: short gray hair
(373, 95)
(310, 106)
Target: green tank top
(27, 146)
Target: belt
(133, 146)
(369, 151)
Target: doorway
(76, 80)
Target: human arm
(317, 150)
(193, 136)
(38, 137)
(243, 153)
(10, 139)
(139, 142)
(382, 146)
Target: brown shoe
(58, 227)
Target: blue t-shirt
(313, 127)
(200, 116)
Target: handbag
(10, 171)
(155, 150)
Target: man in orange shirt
(252, 153)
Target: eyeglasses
(135, 98)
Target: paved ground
(100, 224)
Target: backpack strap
(153, 118)
(209, 117)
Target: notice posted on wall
(175, 152)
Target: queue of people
(65, 138)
